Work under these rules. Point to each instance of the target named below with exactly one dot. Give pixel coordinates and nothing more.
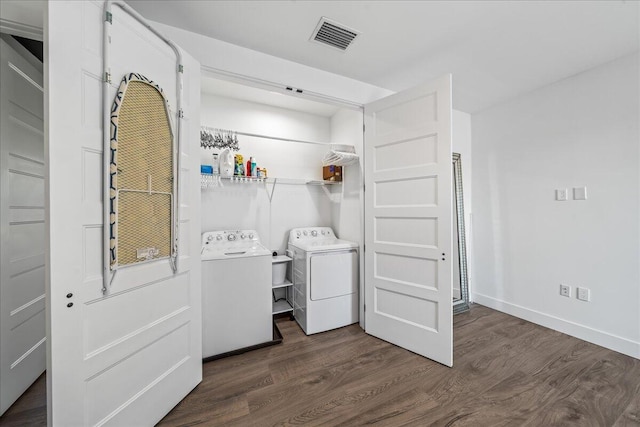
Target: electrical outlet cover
(565, 290)
(583, 294)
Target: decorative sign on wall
(142, 223)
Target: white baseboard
(595, 336)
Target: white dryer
(236, 292)
(325, 279)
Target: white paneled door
(127, 357)
(408, 199)
(22, 297)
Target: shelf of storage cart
(281, 287)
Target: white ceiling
(494, 49)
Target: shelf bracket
(273, 189)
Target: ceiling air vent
(333, 34)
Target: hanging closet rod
(255, 135)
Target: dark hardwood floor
(507, 372)
(30, 409)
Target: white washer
(236, 291)
(325, 279)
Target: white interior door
(128, 357)
(408, 199)
(22, 310)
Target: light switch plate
(583, 294)
(579, 193)
(562, 194)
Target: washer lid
(324, 245)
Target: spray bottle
(248, 169)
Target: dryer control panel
(311, 233)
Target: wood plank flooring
(30, 409)
(507, 372)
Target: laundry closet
(289, 136)
(143, 323)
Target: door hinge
(365, 307)
(180, 113)
(107, 77)
(109, 18)
(180, 68)
(363, 127)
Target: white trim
(28, 352)
(269, 85)
(25, 76)
(19, 29)
(586, 333)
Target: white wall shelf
(209, 181)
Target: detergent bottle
(226, 163)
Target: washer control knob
(251, 235)
(209, 237)
(218, 237)
(314, 233)
(298, 233)
(323, 232)
(242, 236)
(231, 237)
(305, 232)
